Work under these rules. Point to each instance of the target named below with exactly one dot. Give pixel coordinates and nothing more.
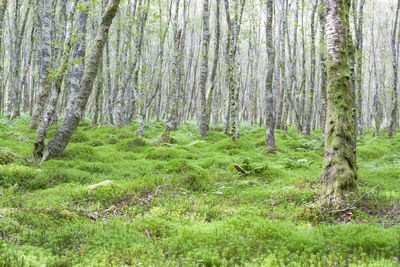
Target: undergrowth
(182, 203)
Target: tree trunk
(394, 100)
(339, 173)
(309, 114)
(44, 20)
(60, 140)
(269, 100)
(323, 68)
(210, 92)
(173, 94)
(204, 70)
(49, 113)
(3, 8)
(359, 64)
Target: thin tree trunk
(61, 138)
(173, 94)
(323, 68)
(269, 98)
(210, 92)
(204, 70)
(49, 113)
(309, 115)
(394, 100)
(44, 20)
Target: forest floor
(184, 204)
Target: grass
(183, 204)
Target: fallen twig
(240, 169)
(166, 185)
(351, 207)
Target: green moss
(79, 151)
(79, 137)
(7, 156)
(15, 174)
(184, 204)
(166, 153)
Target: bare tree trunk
(204, 70)
(173, 94)
(309, 115)
(210, 92)
(3, 8)
(13, 108)
(44, 84)
(49, 113)
(77, 56)
(393, 113)
(269, 100)
(61, 138)
(359, 64)
(323, 67)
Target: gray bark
(269, 98)
(62, 136)
(58, 76)
(45, 64)
(204, 70)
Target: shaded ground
(183, 204)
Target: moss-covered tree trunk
(339, 173)
(61, 138)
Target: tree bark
(210, 92)
(339, 173)
(45, 65)
(62, 136)
(58, 76)
(173, 94)
(394, 100)
(269, 99)
(204, 70)
(323, 67)
(309, 115)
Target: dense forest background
(153, 61)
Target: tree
(58, 76)
(322, 58)
(269, 99)
(175, 80)
(13, 108)
(78, 53)
(339, 172)
(309, 113)
(204, 70)
(45, 64)
(61, 137)
(210, 92)
(395, 63)
(3, 8)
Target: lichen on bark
(339, 173)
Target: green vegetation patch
(116, 199)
